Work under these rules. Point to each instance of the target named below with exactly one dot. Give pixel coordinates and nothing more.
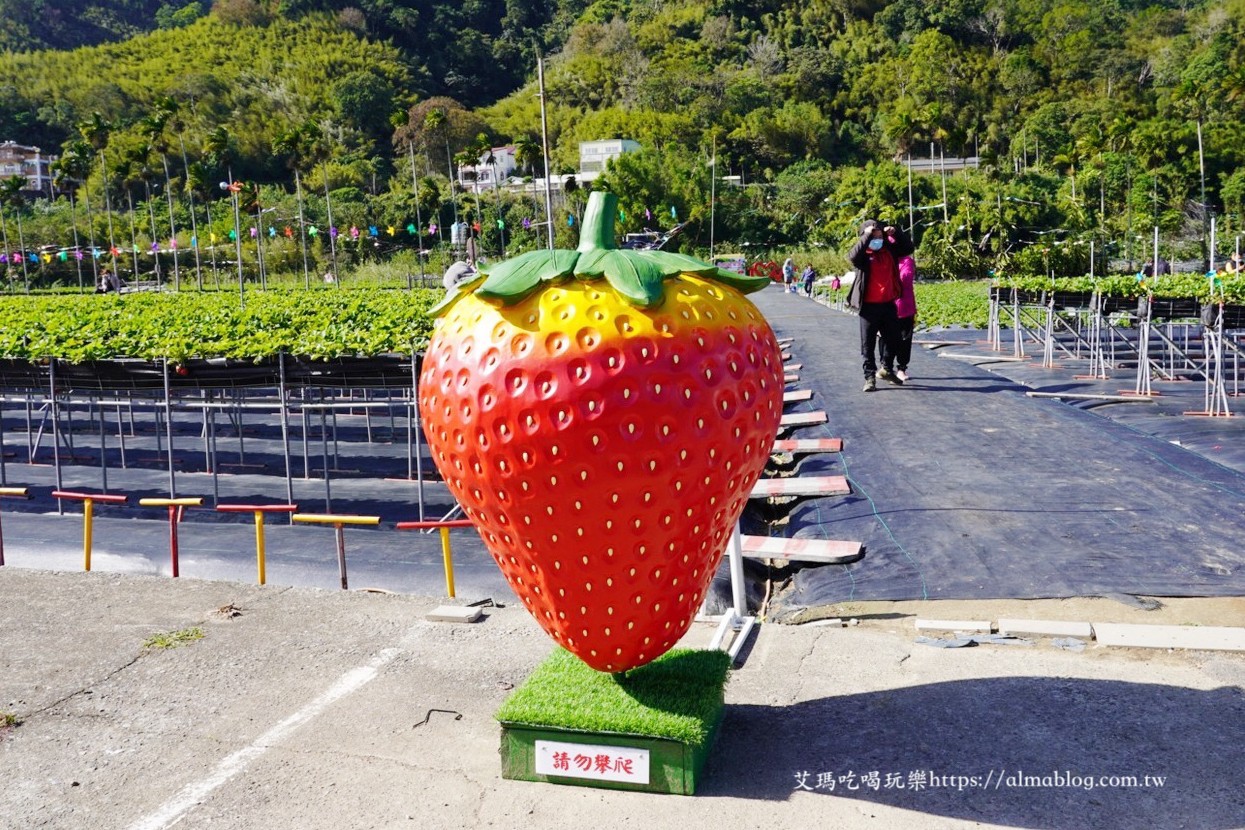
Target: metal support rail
(15, 493)
(177, 508)
(338, 521)
(259, 510)
(88, 512)
(446, 553)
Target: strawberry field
(314, 324)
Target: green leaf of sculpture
(514, 279)
(741, 282)
(672, 263)
(635, 278)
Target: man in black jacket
(875, 257)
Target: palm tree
(130, 177)
(74, 167)
(194, 222)
(95, 131)
(320, 150)
(483, 150)
(419, 222)
(197, 178)
(4, 237)
(11, 196)
(61, 181)
(437, 121)
(139, 164)
(527, 152)
(220, 148)
(296, 145)
(154, 127)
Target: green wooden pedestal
(649, 729)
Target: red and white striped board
(824, 551)
(801, 486)
(798, 445)
(803, 419)
(797, 395)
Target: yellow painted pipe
(449, 561)
(186, 502)
(259, 543)
(330, 519)
(12, 491)
(88, 508)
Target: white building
(483, 174)
(593, 158)
(29, 162)
(594, 155)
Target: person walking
(905, 309)
(788, 275)
(807, 277)
(875, 257)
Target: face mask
(875, 244)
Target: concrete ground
(303, 708)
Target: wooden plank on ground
(793, 367)
(823, 551)
(980, 626)
(797, 395)
(801, 486)
(1212, 638)
(803, 419)
(790, 377)
(938, 344)
(1046, 628)
(984, 358)
(1085, 396)
(799, 445)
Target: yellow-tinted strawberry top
(604, 451)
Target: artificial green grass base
(669, 708)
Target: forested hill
(475, 51)
(67, 24)
(1099, 117)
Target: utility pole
(544, 143)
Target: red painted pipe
(431, 524)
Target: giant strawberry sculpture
(602, 416)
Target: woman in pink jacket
(905, 309)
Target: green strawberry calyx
(637, 276)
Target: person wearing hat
(875, 258)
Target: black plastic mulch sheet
(963, 487)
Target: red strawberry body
(604, 451)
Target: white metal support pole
(1143, 351)
(1018, 345)
(1048, 336)
(992, 332)
(1216, 389)
(735, 619)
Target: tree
(363, 100)
(11, 196)
(95, 131)
(241, 12)
(298, 145)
